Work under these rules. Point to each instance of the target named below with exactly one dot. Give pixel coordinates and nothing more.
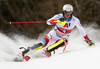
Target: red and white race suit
(64, 30)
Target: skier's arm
(51, 20)
(56, 19)
(83, 32)
(81, 29)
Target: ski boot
(48, 54)
(21, 56)
(24, 54)
(53, 47)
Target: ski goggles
(67, 12)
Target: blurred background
(88, 11)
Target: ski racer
(64, 24)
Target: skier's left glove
(90, 43)
(61, 21)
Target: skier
(64, 24)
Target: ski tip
(63, 50)
(17, 60)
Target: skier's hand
(61, 21)
(90, 43)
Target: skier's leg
(32, 48)
(54, 46)
(37, 46)
(49, 38)
(57, 42)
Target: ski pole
(58, 21)
(31, 22)
(62, 38)
(28, 22)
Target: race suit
(64, 30)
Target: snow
(77, 55)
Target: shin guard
(55, 45)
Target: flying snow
(76, 53)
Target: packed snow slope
(76, 56)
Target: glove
(90, 43)
(61, 21)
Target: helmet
(67, 9)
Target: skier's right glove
(90, 43)
(61, 21)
